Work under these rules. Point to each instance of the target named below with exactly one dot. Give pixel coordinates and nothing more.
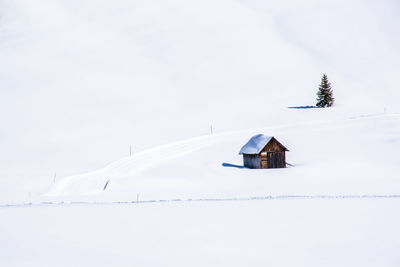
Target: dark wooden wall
(251, 161)
(273, 160)
(273, 155)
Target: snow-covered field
(82, 81)
(358, 232)
(337, 156)
(191, 204)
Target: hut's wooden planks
(271, 156)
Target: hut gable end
(274, 146)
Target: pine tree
(325, 94)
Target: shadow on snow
(302, 107)
(233, 165)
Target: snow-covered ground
(82, 81)
(192, 203)
(357, 232)
(354, 155)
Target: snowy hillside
(83, 81)
(332, 156)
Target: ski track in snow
(259, 198)
(138, 162)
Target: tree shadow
(233, 165)
(302, 107)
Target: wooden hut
(263, 152)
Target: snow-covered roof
(255, 144)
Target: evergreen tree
(325, 94)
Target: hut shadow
(302, 107)
(233, 165)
